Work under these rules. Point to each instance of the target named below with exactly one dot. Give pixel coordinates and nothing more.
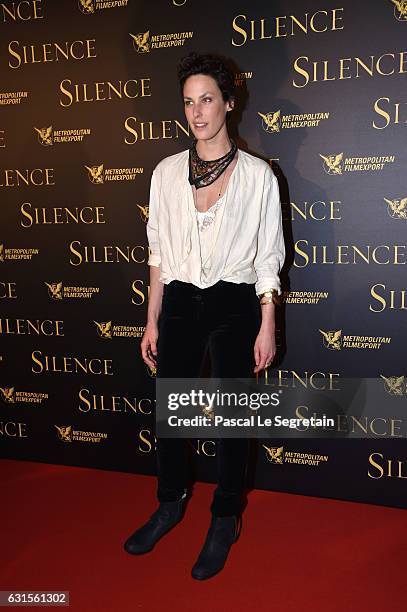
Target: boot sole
(195, 577)
(139, 552)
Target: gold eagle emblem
(274, 454)
(144, 211)
(104, 329)
(44, 135)
(271, 121)
(141, 42)
(394, 384)
(332, 339)
(87, 6)
(65, 432)
(8, 394)
(397, 208)
(151, 371)
(55, 290)
(333, 163)
(95, 174)
(208, 412)
(400, 9)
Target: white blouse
(207, 230)
(243, 244)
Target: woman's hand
(148, 344)
(264, 348)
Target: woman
(216, 241)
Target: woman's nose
(197, 110)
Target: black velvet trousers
(224, 319)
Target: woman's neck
(210, 150)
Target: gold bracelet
(271, 295)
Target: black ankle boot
(223, 532)
(164, 518)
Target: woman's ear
(231, 104)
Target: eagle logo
(55, 290)
(332, 339)
(394, 385)
(271, 122)
(333, 164)
(86, 6)
(141, 42)
(95, 174)
(45, 135)
(397, 208)
(64, 432)
(274, 454)
(144, 211)
(104, 329)
(400, 9)
(151, 371)
(208, 412)
(8, 394)
(1, 252)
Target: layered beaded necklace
(203, 173)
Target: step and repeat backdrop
(89, 104)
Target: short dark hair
(212, 65)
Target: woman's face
(205, 108)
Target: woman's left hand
(264, 349)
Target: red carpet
(63, 529)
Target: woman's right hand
(148, 345)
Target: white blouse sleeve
(152, 225)
(270, 241)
